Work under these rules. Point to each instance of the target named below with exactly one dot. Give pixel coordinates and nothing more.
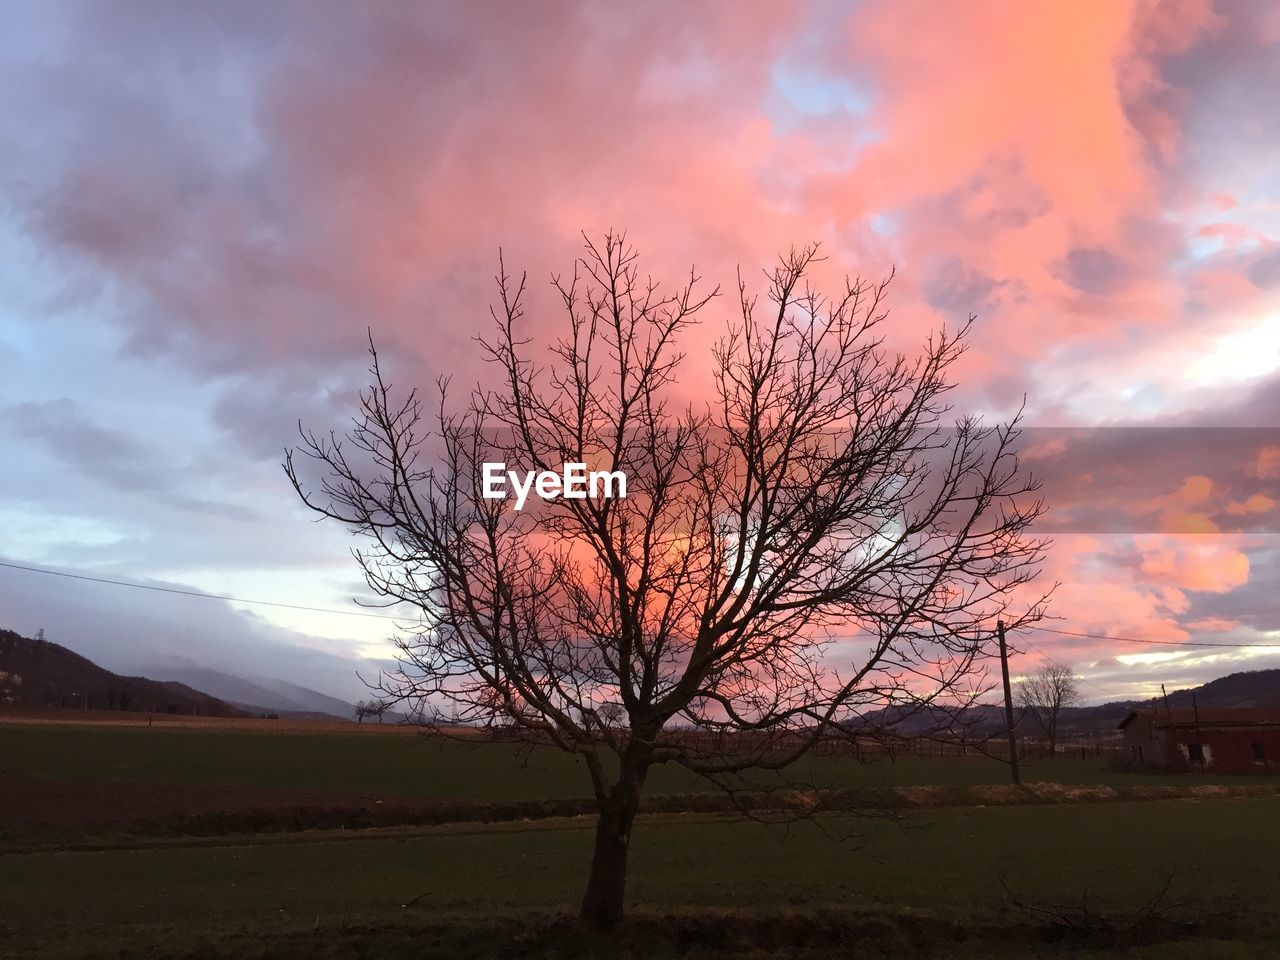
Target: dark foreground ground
(1152, 879)
(193, 846)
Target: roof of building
(1217, 717)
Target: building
(1238, 740)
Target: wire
(203, 596)
(391, 616)
(1104, 636)
(1039, 649)
(1162, 643)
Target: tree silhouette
(809, 546)
(1045, 694)
(371, 708)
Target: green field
(408, 765)
(930, 885)
(312, 897)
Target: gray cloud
(1265, 270)
(126, 630)
(1094, 270)
(112, 456)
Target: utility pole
(1008, 704)
(1195, 712)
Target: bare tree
(1045, 694)
(810, 546)
(371, 708)
(612, 714)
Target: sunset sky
(204, 206)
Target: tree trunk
(602, 905)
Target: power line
(1100, 636)
(391, 616)
(1162, 643)
(1035, 646)
(198, 594)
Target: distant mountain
(35, 672)
(1254, 688)
(261, 694)
(1251, 688)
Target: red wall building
(1245, 740)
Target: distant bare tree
(1045, 694)
(810, 546)
(612, 714)
(370, 708)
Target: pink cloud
(1180, 564)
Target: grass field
(397, 764)
(946, 868)
(699, 885)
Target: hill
(258, 694)
(1252, 688)
(35, 672)
(1249, 688)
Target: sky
(204, 207)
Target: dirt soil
(45, 801)
(40, 803)
(41, 717)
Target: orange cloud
(1195, 565)
(1268, 465)
(1213, 625)
(1258, 503)
(1175, 510)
